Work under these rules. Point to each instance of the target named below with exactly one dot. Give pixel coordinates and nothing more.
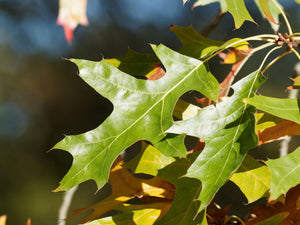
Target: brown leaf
(235, 56)
(126, 186)
(262, 212)
(217, 215)
(282, 129)
(71, 13)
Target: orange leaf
(126, 186)
(262, 212)
(71, 13)
(282, 129)
(296, 84)
(264, 5)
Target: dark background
(42, 98)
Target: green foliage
(253, 178)
(153, 111)
(285, 173)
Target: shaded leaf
(71, 13)
(252, 178)
(184, 206)
(142, 111)
(198, 46)
(135, 63)
(284, 213)
(273, 220)
(285, 173)
(283, 108)
(228, 131)
(125, 187)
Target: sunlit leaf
(252, 178)
(136, 217)
(3, 219)
(282, 129)
(296, 84)
(142, 111)
(228, 131)
(285, 173)
(187, 189)
(71, 13)
(283, 108)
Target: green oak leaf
(237, 9)
(228, 129)
(198, 46)
(184, 206)
(285, 173)
(239, 12)
(283, 108)
(142, 111)
(252, 178)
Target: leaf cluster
(152, 111)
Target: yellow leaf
(3, 219)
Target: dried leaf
(71, 13)
(289, 211)
(282, 129)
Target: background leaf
(228, 131)
(198, 46)
(269, 11)
(71, 13)
(283, 108)
(252, 178)
(285, 173)
(142, 111)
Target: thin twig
(275, 60)
(214, 23)
(63, 210)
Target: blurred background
(42, 98)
